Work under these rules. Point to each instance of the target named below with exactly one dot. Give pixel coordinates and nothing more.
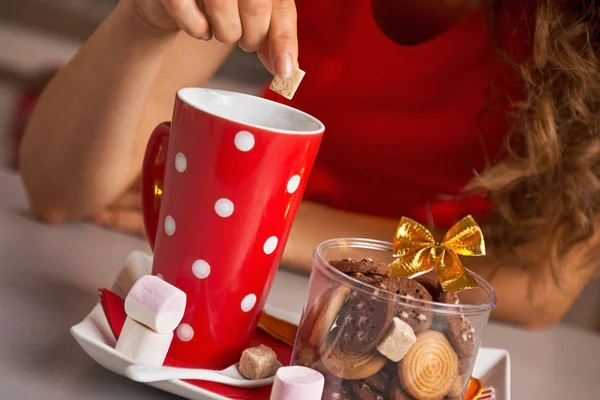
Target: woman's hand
(264, 26)
(124, 214)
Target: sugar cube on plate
(258, 362)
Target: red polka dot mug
(221, 186)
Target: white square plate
(95, 337)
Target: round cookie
(459, 387)
(432, 285)
(363, 391)
(430, 368)
(335, 389)
(364, 266)
(348, 365)
(397, 393)
(312, 316)
(368, 279)
(459, 330)
(327, 315)
(419, 320)
(449, 298)
(380, 382)
(363, 321)
(464, 365)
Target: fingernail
(284, 67)
(207, 36)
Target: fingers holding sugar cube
(142, 345)
(155, 303)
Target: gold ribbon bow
(417, 251)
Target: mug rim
(439, 308)
(181, 95)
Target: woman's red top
(407, 127)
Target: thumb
(265, 59)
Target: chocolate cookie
(363, 391)
(464, 365)
(364, 266)
(368, 279)
(336, 390)
(381, 381)
(419, 320)
(448, 298)
(459, 330)
(363, 321)
(432, 285)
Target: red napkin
(114, 309)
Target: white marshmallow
(156, 304)
(137, 265)
(142, 345)
(297, 383)
(397, 341)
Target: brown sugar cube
(258, 362)
(398, 341)
(287, 87)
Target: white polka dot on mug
(244, 141)
(224, 208)
(185, 332)
(270, 245)
(248, 302)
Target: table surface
(48, 281)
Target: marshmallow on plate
(137, 265)
(297, 383)
(156, 304)
(142, 345)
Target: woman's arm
(526, 290)
(85, 141)
(316, 223)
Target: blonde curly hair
(549, 181)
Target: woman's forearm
(76, 149)
(512, 286)
(316, 223)
(526, 290)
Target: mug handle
(153, 177)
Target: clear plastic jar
(374, 343)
